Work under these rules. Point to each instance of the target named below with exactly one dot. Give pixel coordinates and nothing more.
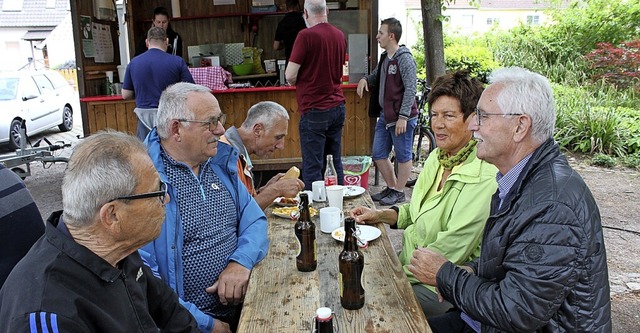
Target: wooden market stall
(204, 22)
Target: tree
(433, 38)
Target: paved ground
(44, 184)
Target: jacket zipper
(124, 281)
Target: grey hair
(528, 93)
(266, 113)
(173, 105)
(99, 169)
(157, 34)
(315, 7)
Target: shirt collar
(236, 141)
(506, 181)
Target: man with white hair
(315, 67)
(85, 274)
(261, 134)
(543, 264)
(214, 232)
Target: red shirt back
(320, 52)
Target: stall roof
(36, 35)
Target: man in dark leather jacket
(543, 263)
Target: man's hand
(220, 327)
(289, 187)
(401, 126)
(362, 85)
(425, 265)
(232, 284)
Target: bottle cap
(323, 313)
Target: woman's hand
(364, 215)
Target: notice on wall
(102, 43)
(224, 2)
(87, 37)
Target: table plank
(282, 299)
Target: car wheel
(14, 134)
(67, 119)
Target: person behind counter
(288, 28)
(148, 75)
(450, 202)
(261, 134)
(316, 68)
(161, 19)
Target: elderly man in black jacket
(543, 264)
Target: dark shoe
(379, 196)
(393, 198)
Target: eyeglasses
(482, 116)
(162, 194)
(212, 122)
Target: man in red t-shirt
(315, 67)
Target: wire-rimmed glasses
(212, 122)
(482, 116)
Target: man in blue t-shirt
(148, 75)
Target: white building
(25, 25)
(465, 18)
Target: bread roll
(293, 172)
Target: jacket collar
(58, 235)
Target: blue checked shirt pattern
(209, 220)
(505, 182)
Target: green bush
(632, 161)
(478, 60)
(557, 50)
(603, 160)
(591, 122)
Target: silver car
(39, 99)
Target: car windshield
(8, 88)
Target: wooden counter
(103, 112)
(281, 299)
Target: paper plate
(291, 212)
(353, 191)
(286, 202)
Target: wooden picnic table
(282, 299)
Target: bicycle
(422, 130)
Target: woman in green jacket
(450, 201)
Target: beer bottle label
(315, 250)
(298, 247)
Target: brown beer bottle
(351, 267)
(324, 320)
(305, 229)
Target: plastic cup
(335, 194)
(330, 219)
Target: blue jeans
(320, 135)
(385, 139)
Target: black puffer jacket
(543, 265)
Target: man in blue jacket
(214, 232)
